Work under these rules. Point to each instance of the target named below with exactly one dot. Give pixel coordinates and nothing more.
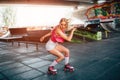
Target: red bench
(16, 34)
(33, 37)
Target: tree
(8, 15)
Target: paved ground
(98, 60)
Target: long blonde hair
(64, 20)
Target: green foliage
(117, 8)
(88, 34)
(100, 11)
(8, 16)
(75, 40)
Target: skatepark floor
(96, 60)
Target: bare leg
(63, 49)
(58, 54)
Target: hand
(41, 39)
(74, 29)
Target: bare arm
(63, 35)
(43, 37)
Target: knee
(67, 52)
(62, 57)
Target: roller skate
(52, 70)
(68, 67)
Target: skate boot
(68, 67)
(52, 70)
